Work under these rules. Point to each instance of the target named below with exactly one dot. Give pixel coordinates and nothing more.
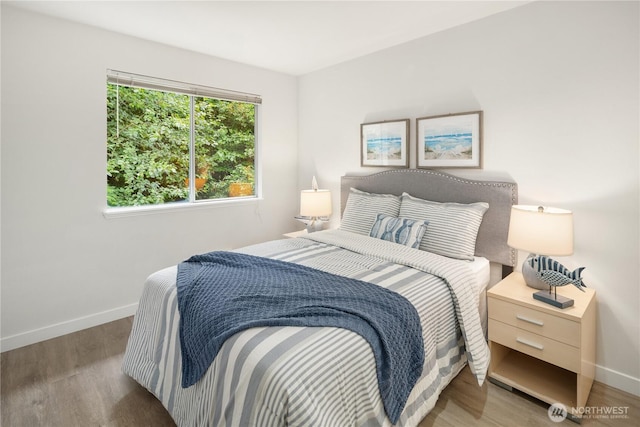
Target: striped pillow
(453, 227)
(362, 208)
(404, 231)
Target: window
(171, 142)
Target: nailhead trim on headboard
(499, 190)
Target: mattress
(292, 376)
(481, 270)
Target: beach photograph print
(385, 143)
(450, 141)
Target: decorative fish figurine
(553, 273)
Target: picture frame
(385, 143)
(449, 141)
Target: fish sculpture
(553, 273)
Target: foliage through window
(159, 138)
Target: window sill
(121, 212)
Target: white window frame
(153, 83)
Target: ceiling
(292, 37)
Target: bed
(282, 375)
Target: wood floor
(75, 380)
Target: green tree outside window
(148, 146)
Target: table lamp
(541, 231)
(315, 206)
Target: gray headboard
(501, 192)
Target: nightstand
(295, 234)
(541, 350)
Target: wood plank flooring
(76, 380)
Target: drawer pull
(526, 319)
(530, 343)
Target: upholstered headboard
(501, 192)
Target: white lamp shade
(315, 203)
(542, 231)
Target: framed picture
(450, 141)
(385, 143)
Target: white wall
(64, 266)
(558, 83)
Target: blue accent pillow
(404, 231)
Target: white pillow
(362, 209)
(453, 227)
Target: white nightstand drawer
(538, 346)
(556, 328)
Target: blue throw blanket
(222, 293)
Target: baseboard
(618, 380)
(63, 328)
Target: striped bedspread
(301, 376)
(221, 294)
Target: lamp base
(531, 276)
(553, 298)
(314, 225)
